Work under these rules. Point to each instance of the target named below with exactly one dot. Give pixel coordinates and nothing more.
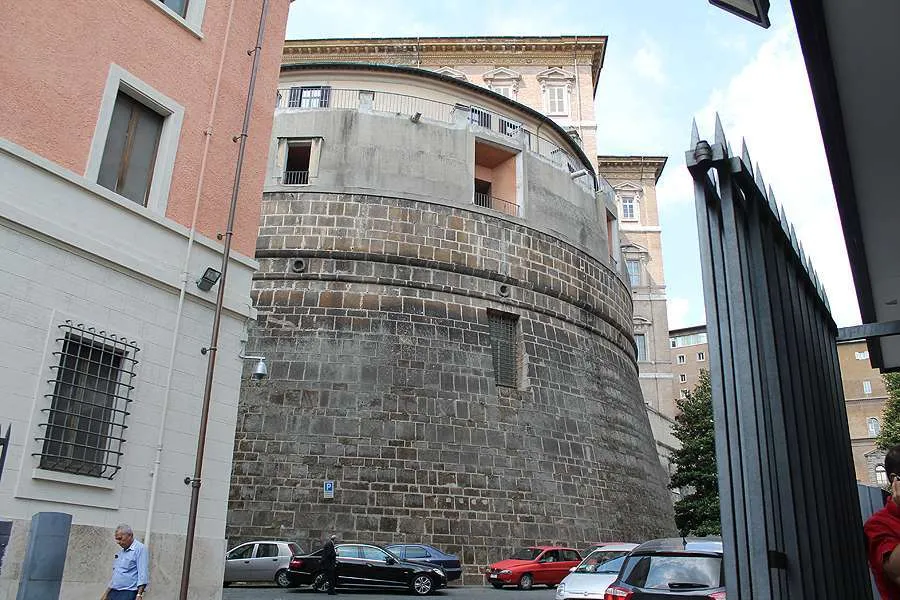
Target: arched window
(880, 475)
(874, 426)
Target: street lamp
(755, 11)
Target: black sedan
(423, 553)
(368, 566)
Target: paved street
(239, 592)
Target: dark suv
(368, 566)
(672, 569)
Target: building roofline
(658, 163)
(596, 44)
(680, 330)
(471, 87)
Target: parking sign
(328, 489)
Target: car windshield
(668, 571)
(598, 563)
(526, 554)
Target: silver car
(261, 561)
(595, 573)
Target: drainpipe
(183, 290)
(217, 319)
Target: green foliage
(697, 512)
(890, 421)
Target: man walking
(329, 563)
(883, 534)
(130, 572)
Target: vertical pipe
(217, 319)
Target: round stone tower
(447, 339)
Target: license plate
(493, 576)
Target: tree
(697, 512)
(890, 420)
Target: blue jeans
(122, 595)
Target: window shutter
(504, 347)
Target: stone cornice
(451, 51)
(629, 165)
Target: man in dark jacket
(329, 564)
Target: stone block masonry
(374, 315)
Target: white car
(589, 580)
(261, 561)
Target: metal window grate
(85, 426)
(504, 347)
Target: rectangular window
(483, 193)
(503, 90)
(628, 212)
(85, 424)
(640, 340)
(862, 355)
(680, 359)
(867, 387)
(682, 378)
(683, 394)
(556, 100)
(177, 6)
(504, 347)
(634, 272)
(296, 167)
(129, 155)
(309, 97)
(874, 426)
(673, 342)
(701, 356)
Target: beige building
(865, 395)
(690, 355)
(556, 76)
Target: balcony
(494, 203)
(298, 98)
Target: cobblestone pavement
(242, 592)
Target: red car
(536, 565)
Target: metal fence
(790, 514)
(296, 98)
(487, 201)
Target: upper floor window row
(687, 340)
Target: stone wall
(374, 318)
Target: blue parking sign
(328, 489)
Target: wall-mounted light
(415, 118)
(755, 11)
(209, 278)
(578, 173)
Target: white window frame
(635, 209)
(867, 387)
(631, 276)
(117, 80)
(497, 87)
(193, 16)
(681, 359)
(682, 378)
(683, 394)
(281, 154)
(643, 346)
(701, 356)
(881, 477)
(548, 104)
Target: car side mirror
(390, 561)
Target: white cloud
(676, 188)
(648, 63)
(679, 310)
(770, 103)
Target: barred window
(504, 347)
(85, 425)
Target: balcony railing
(403, 104)
(295, 178)
(504, 206)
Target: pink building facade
(117, 157)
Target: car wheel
(282, 579)
(320, 583)
(526, 582)
(496, 585)
(422, 585)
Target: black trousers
(331, 577)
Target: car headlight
(505, 572)
(560, 590)
(438, 571)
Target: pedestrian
(883, 533)
(130, 572)
(329, 564)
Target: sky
(667, 62)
